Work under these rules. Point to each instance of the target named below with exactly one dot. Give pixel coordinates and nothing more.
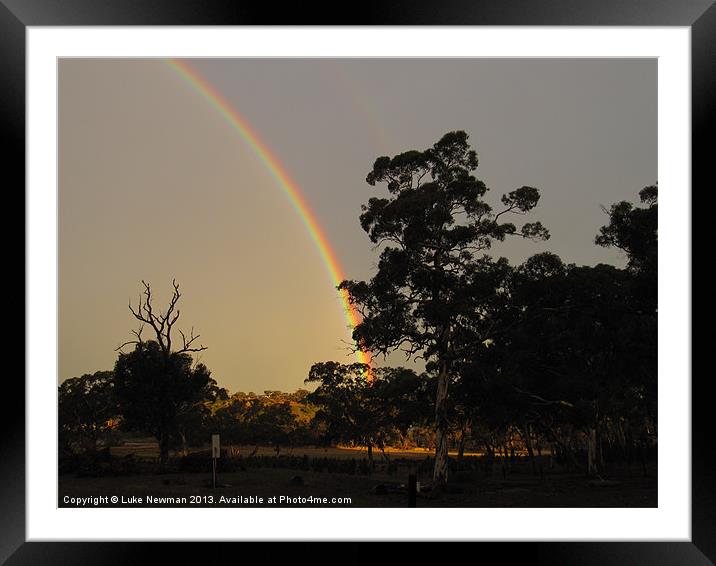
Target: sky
(156, 184)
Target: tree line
(546, 355)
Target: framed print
(289, 277)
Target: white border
(670, 521)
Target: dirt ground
(467, 489)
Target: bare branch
(138, 334)
(187, 344)
(118, 348)
(542, 400)
(162, 322)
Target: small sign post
(215, 453)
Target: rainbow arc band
(283, 180)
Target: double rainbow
(283, 180)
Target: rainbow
(353, 91)
(283, 180)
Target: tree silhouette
(430, 287)
(634, 230)
(87, 410)
(348, 408)
(157, 387)
(577, 356)
(162, 323)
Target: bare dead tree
(161, 323)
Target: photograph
(391, 274)
(357, 282)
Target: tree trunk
(163, 449)
(540, 460)
(184, 445)
(489, 459)
(440, 472)
(599, 439)
(92, 444)
(503, 460)
(370, 458)
(461, 446)
(621, 441)
(592, 452)
(524, 430)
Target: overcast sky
(155, 184)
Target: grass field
(148, 448)
(470, 488)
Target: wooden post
(412, 489)
(215, 453)
(213, 473)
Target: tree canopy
(87, 410)
(434, 288)
(156, 384)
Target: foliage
(540, 354)
(275, 418)
(634, 230)
(87, 411)
(158, 389)
(348, 409)
(355, 409)
(434, 290)
(156, 393)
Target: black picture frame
(17, 15)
